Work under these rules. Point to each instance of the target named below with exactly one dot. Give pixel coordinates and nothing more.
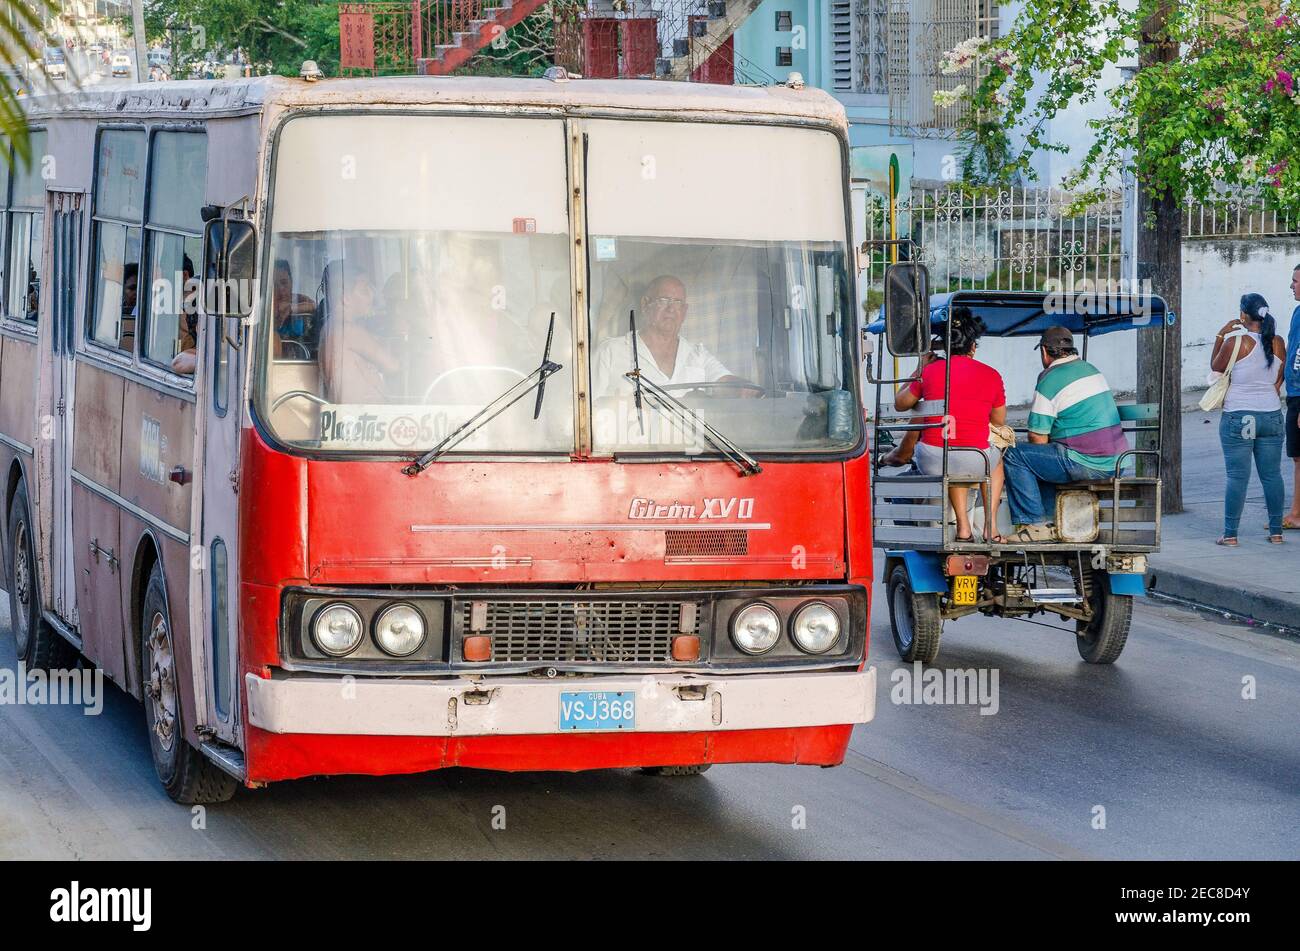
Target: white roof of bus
(233, 96)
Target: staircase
(697, 36)
(457, 29)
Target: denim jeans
(1034, 470)
(1246, 435)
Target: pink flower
(1275, 173)
(1283, 80)
(1282, 21)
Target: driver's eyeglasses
(664, 303)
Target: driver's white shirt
(694, 364)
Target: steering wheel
(715, 385)
(467, 369)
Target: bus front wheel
(188, 776)
(914, 619)
(1101, 640)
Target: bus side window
(26, 223)
(119, 214)
(173, 242)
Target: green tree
(1221, 112)
(276, 37)
(21, 25)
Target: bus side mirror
(907, 309)
(229, 267)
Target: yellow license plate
(965, 589)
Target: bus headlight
(815, 628)
(755, 628)
(399, 630)
(337, 629)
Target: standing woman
(1251, 425)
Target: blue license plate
(598, 710)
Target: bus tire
(1101, 640)
(188, 776)
(914, 619)
(38, 645)
(676, 770)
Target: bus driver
(664, 356)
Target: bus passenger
(664, 356)
(186, 358)
(976, 399)
(353, 362)
(293, 314)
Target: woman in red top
(977, 399)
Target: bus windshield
(418, 262)
(724, 245)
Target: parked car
(121, 64)
(54, 63)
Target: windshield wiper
(636, 369)
(534, 381)
(660, 397)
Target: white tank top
(1254, 384)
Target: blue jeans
(1246, 435)
(1034, 470)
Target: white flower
(945, 98)
(1250, 166)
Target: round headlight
(755, 628)
(337, 629)
(816, 628)
(400, 630)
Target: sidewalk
(1256, 579)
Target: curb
(1212, 593)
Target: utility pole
(1160, 261)
(137, 27)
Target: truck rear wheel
(1101, 640)
(188, 776)
(38, 645)
(914, 619)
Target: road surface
(1164, 742)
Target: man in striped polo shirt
(1075, 435)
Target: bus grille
(600, 632)
(689, 543)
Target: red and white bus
(520, 427)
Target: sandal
(1227, 542)
(968, 540)
(1276, 539)
(1290, 525)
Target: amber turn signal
(477, 648)
(686, 647)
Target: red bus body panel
(350, 522)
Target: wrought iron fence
(920, 32)
(1243, 216)
(1010, 239)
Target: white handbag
(1218, 390)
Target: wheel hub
(22, 586)
(161, 689)
(903, 616)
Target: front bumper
(506, 706)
